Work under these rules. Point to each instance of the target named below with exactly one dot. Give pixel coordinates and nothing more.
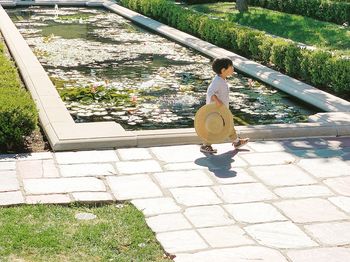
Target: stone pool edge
(64, 134)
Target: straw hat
(213, 124)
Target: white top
(220, 88)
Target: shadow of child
(220, 164)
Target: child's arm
(217, 101)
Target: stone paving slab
(62, 185)
(280, 235)
(92, 197)
(208, 216)
(134, 154)
(340, 185)
(321, 167)
(11, 198)
(282, 175)
(131, 187)
(48, 199)
(161, 223)
(310, 210)
(182, 166)
(234, 206)
(336, 233)
(239, 254)
(241, 193)
(334, 254)
(86, 157)
(35, 156)
(37, 168)
(183, 179)
(258, 212)
(303, 191)
(176, 154)
(270, 158)
(181, 241)
(310, 143)
(8, 181)
(266, 146)
(341, 202)
(233, 176)
(138, 167)
(7, 166)
(156, 206)
(195, 196)
(227, 236)
(100, 169)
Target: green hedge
(336, 12)
(320, 68)
(18, 114)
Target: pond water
(107, 68)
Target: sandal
(241, 142)
(208, 149)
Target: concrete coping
(64, 134)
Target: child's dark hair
(220, 63)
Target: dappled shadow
(220, 164)
(4, 157)
(325, 148)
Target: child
(218, 92)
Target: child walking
(218, 93)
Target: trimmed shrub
(8, 74)
(265, 49)
(292, 60)
(18, 114)
(278, 53)
(18, 117)
(248, 42)
(319, 68)
(340, 76)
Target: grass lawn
(295, 27)
(52, 233)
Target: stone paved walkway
(271, 201)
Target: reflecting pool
(108, 69)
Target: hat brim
(199, 123)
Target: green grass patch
(52, 233)
(295, 27)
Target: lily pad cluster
(107, 69)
